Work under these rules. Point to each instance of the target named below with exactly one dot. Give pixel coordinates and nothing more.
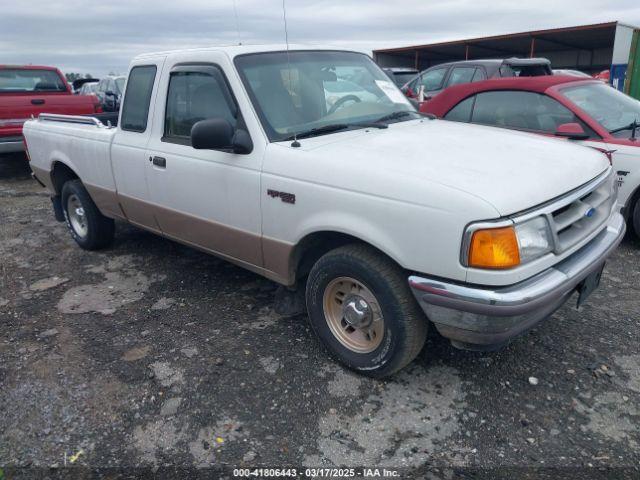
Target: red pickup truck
(31, 90)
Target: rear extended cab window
(21, 80)
(135, 109)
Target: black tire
(405, 326)
(99, 229)
(635, 218)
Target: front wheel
(362, 310)
(635, 218)
(89, 228)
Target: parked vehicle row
(109, 92)
(244, 153)
(88, 89)
(435, 79)
(26, 91)
(84, 86)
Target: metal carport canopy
(586, 39)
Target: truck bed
(83, 143)
(106, 118)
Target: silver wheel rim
(77, 217)
(353, 314)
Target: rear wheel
(89, 228)
(362, 310)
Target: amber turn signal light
(494, 248)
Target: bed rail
(55, 117)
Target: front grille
(575, 217)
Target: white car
(572, 73)
(388, 220)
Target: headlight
(510, 246)
(534, 239)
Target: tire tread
(414, 321)
(101, 228)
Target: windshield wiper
(333, 127)
(403, 113)
(633, 126)
(394, 115)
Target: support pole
(533, 47)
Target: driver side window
(193, 96)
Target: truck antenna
(295, 142)
(235, 13)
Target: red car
(604, 75)
(583, 110)
(31, 90)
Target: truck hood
(512, 171)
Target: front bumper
(480, 317)
(11, 144)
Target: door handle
(37, 101)
(159, 161)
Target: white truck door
(128, 149)
(206, 198)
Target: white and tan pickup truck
(390, 220)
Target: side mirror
(218, 134)
(408, 92)
(572, 131)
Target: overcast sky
(102, 36)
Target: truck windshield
(609, 107)
(30, 80)
(313, 89)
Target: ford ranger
(389, 221)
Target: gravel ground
(151, 354)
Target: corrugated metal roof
(549, 33)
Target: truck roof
(30, 67)
(235, 50)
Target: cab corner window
(135, 108)
(195, 95)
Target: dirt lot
(153, 354)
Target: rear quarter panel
(85, 149)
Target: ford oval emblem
(590, 212)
